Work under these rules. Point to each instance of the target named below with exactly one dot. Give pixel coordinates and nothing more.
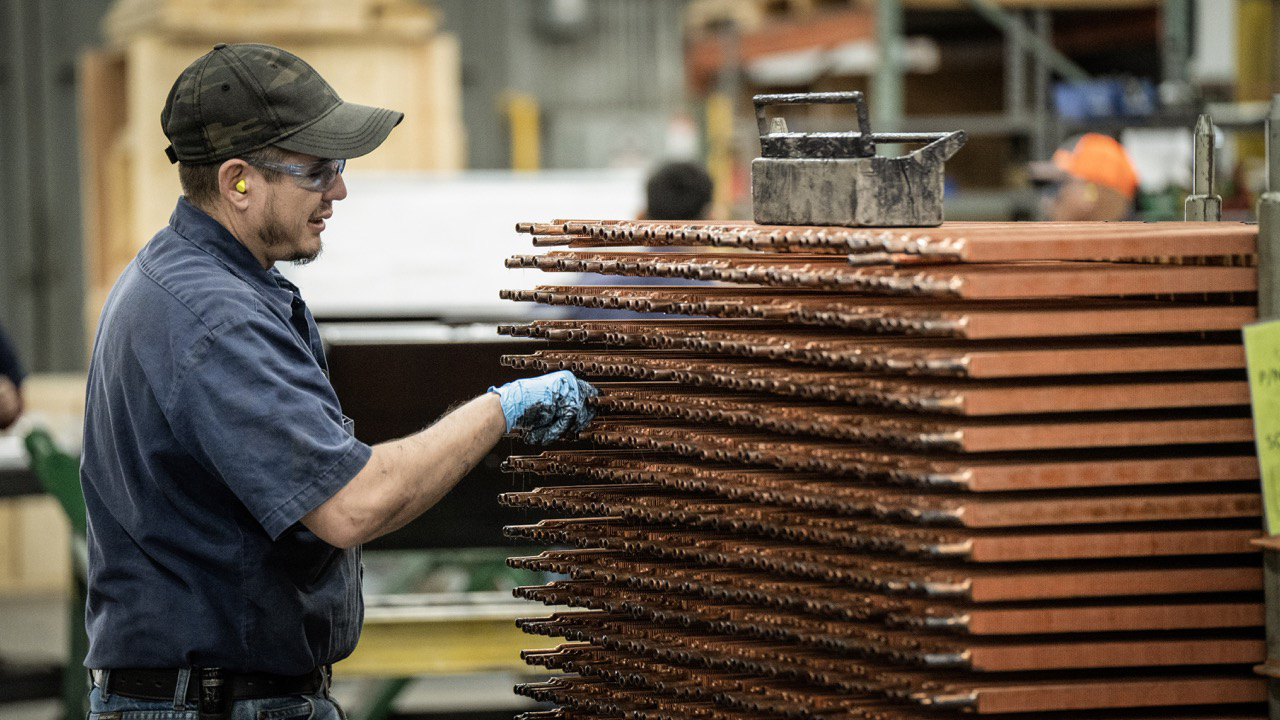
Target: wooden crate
(35, 544)
(128, 185)
(36, 540)
(706, 17)
(127, 19)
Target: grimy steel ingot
(836, 178)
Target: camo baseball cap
(242, 97)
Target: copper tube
(692, 608)
(788, 520)
(953, 241)
(762, 412)
(1121, 692)
(906, 316)
(975, 282)
(978, 620)
(692, 647)
(906, 578)
(971, 397)
(977, 474)
(980, 546)
(651, 504)
(900, 356)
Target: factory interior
(939, 392)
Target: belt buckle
(214, 701)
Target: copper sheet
(953, 241)
(687, 664)
(754, 546)
(906, 578)
(972, 544)
(652, 504)
(974, 654)
(777, 695)
(904, 316)
(975, 398)
(596, 695)
(689, 610)
(887, 648)
(1150, 691)
(896, 430)
(899, 356)
(673, 644)
(1253, 711)
(977, 474)
(1105, 618)
(974, 282)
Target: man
(677, 191)
(227, 497)
(1090, 178)
(11, 376)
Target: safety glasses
(318, 176)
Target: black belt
(163, 684)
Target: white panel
(433, 246)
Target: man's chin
(305, 258)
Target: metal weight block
(836, 178)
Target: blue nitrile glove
(547, 406)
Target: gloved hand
(547, 406)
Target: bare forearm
(10, 402)
(405, 477)
(435, 459)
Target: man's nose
(338, 191)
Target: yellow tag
(1262, 354)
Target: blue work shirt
(211, 429)
(10, 366)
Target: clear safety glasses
(318, 176)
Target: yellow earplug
(241, 188)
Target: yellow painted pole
(1254, 82)
(522, 119)
(719, 110)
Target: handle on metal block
(853, 97)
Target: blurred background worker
(677, 191)
(674, 191)
(11, 374)
(1090, 178)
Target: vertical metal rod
(888, 105)
(1269, 309)
(1203, 205)
(1269, 222)
(1176, 46)
(1015, 69)
(1043, 138)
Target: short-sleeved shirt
(211, 429)
(10, 365)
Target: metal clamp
(836, 178)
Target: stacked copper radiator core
(898, 474)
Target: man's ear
(234, 184)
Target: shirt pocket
(145, 715)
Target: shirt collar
(210, 236)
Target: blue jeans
(289, 707)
